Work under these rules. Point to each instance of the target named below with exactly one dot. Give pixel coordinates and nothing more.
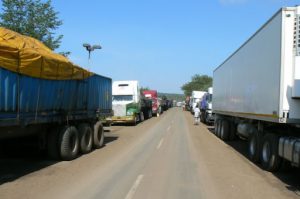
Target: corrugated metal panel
(45, 98)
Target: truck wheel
(68, 143)
(216, 127)
(269, 153)
(254, 147)
(85, 137)
(224, 131)
(98, 135)
(142, 118)
(150, 114)
(219, 127)
(202, 117)
(52, 144)
(232, 132)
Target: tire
(216, 127)
(202, 117)
(52, 144)
(254, 147)
(98, 135)
(232, 132)
(219, 127)
(68, 143)
(269, 153)
(85, 138)
(224, 131)
(150, 114)
(142, 118)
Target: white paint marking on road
(160, 143)
(168, 128)
(134, 187)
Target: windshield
(119, 98)
(209, 98)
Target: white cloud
(227, 2)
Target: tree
(32, 18)
(198, 83)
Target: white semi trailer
(257, 92)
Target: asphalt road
(165, 157)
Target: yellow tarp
(28, 56)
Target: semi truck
(257, 92)
(207, 115)
(44, 95)
(195, 99)
(129, 105)
(156, 102)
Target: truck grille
(119, 110)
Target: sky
(160, 43)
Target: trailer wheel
(52, 144)
(150, 114)
(219, 127)
(224, 131)
(98, 135)
(216, 127)
(142, 118)
(254, 147)
(85, 137)
(232, 132)
(269, 153)
(68, 143)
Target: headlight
(129, 113)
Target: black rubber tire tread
(85, 138)
(224, 132)
(219, 127)
(275, 161)
(142, 116)
(216, 127)
(68, 152)
(52, 144)
(98, 135)
(232, 132)
(255, 156)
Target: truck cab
(125, 101)
(195, 99)
(207, 116)
(156, 102)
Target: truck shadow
(21, 157)
(288, 175)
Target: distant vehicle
(156, 102)
(207, 115)
(129, 106)
(195, 99)
(187, 103)
(64, 106)
(257, 92)
(179, 104)
(164, 103)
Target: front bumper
(122, 119)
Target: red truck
(156, 102)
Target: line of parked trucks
(256, 93)
(255, 96)
(43, 94)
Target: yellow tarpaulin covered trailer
(28, 56)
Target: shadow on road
(20, 157)
(288, 175)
